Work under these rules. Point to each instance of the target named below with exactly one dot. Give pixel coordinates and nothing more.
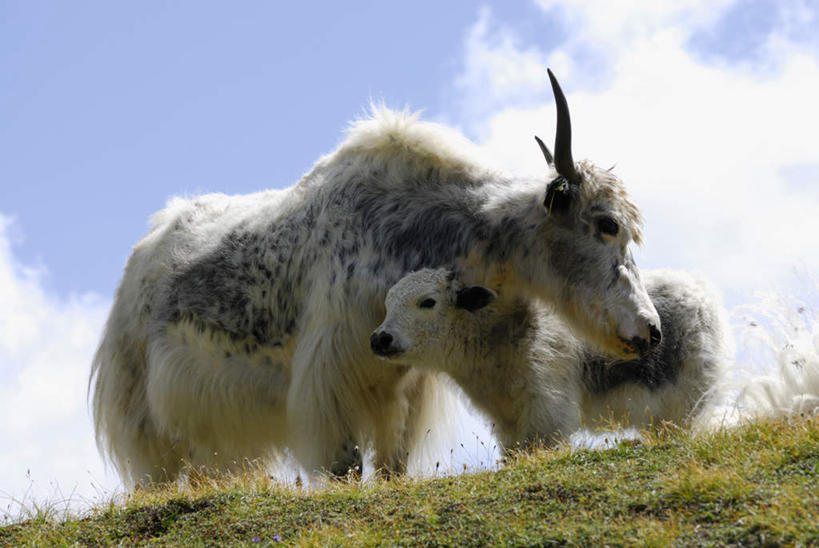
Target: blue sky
(108, 109)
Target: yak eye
(607, 225)
(427, 303)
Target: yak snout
(643, 346)
(637, 323)
(656, 336)
(383, 344)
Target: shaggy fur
(675, 381)
(240, 326)
(520, 365)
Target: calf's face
(422, 311)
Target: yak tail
(125, 433)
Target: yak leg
(323, 407)
(347, 461)
(396, 425)
(390, 442)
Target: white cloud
(620, 24)
(706, 150)
(47, 450)
(496, 64)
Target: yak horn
(564, 164)
(545, 151)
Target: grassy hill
(755, 485)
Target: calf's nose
(380, 342)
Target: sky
(706, 108)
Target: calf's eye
(427, 303)
(607, 225)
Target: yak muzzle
(383, 344)
(643, 345)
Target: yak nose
(380, 342)
(642, 346)
(656, 336)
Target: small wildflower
(255, 539)
(277, 538)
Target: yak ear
(474, 298)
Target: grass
(754, 485)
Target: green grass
(755, 485)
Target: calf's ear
(474, 298)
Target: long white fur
(146, 390)
(174, 381)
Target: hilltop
(753, 485)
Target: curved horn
(544, 149)
(564, 164)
